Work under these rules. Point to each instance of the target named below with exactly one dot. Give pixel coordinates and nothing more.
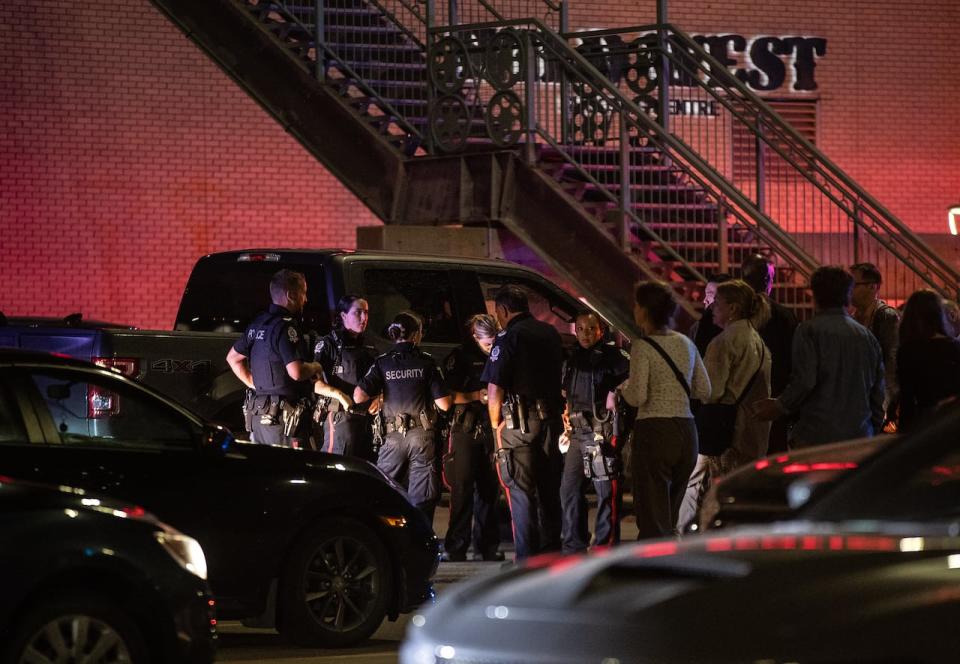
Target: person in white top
(665, 373)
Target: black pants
(408, 458)
(469, 473)
(576, 533)
(664, 454)
(529, 466)
(346, 433)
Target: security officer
(523, 375)
(467, 465)
(590, 378)
(270, 359)
(340, 426)
(412, 388)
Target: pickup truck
(226, 290)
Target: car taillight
(128, 366)
(105, 403)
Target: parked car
(321, 546)
(88, 579)
(869, 573)
(760, 492)
(226, 290)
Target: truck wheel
(76, 629)
(336, 586)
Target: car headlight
(184, 549)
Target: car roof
(18, 355)
(322, 256)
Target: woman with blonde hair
(738, 363)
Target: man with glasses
(881, 319)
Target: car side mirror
(216, 437)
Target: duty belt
(585, 421)
(404, 422)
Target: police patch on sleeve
(292, 333)
(319, 347)
(451, 362)
(495, 353)
(501, 333)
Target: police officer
(340, 426)
(467, 465)
(523, 374)
(270, 359)
(590, 378)
(412, 388)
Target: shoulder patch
(625, 353)
(451, 362)
(501, 333)
(292, 333)
(319, 347)
(495, 353)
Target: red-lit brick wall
(125, 153)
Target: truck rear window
(225, 298)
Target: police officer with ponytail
(590, 378)
(467, 464)
(271, 360)
(342, 427)
(413, 389)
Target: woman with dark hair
(928, 359)
(665, 373)
(340, 426)
(468, 469)
(412, 390)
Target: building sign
(764, 63)
(764, 58)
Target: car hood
(21, 494)
(649, 600)
(275, 457)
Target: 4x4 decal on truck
(180, 366)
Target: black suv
(322, 546)
(89, 579)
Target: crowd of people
(513, 409)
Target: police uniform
(410, 381)
(345, 359)
(467, 466)
(590, 374)
(527, 361)
(276, 410)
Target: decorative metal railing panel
(789, 179)
(657, 196)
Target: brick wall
(125, 153)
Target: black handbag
(715, 421)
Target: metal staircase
(466, 112)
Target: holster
(321, 408)
(291, 414)
(248, 399)
(267, 408)
(601, 463)
(511, 418)
(379, 431)
(504, 461)
(466, 418)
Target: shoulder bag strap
(746, 390)
(666, 358)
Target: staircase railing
(345, 40)
(783, 173)
(536, 91)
